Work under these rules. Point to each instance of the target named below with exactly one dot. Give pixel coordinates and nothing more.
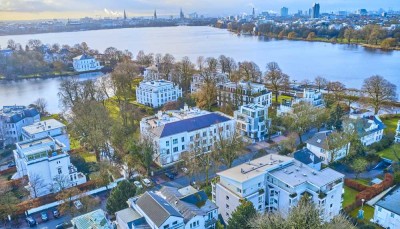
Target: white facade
(51, 127)
(311, 96)
(275, 183)
(397, 137)
(242, 93)
(317, 145)
(157, 93)
(151, 74)
(47, 165)
(12, 119)
(369, 129)
(85, 63)
(198, 80)
(175, 132)
(386, 212)
(253, 122)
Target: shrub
(355, 185)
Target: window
(59, 170)
(259, 207)
(166, 226)
(167, 143)
(183, 147)
(260, 199)
(227, 214)
(175, 223)
(227, 206)
(205, 134)
(227, 197)
(259, 184)
(331, 205)
(175, 141)
(379, 209)
(191, 138)
(183, 139)
(176, 149)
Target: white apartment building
(175, 132)
(185, 208)
(47, 165)
(198, 80)
(253, 122)
(85, 63)
(318, 145)
(275, 183)
(12, 119)
(397, 137)
(369, 129)
(51, 127)
(242, 93)
(386, 210)
(311, 96)
(157, 93)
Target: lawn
(363, 181)
(368, 213)
(389, 154)
(349, 196)
(89, 157)
(281, 98)
(391, 123)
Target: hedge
(355, 185)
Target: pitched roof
(307, 157)
(192, 124)
(83, 57)
(25, 113)
(156, 208)
(319, 139)
(362, 124)
(391, 201)
(132, 218)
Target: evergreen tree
(119, 195)
(241, 216)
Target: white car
(78, 204)
(138, 184)
(185, 170)
(146, 182)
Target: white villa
(172, 208)
(242, 93)
(12, 119)
(318, 145)
(253, 121)
(51, 127)
(151, 73)
(397, 137)
(47, 165)
(275, 183)
(198, 80)
(175, 132)
(311, 96)
(157, 93)
(387, 211)
(369, 129)
(85, 63)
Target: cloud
(112, 13)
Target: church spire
(155, 14)
(125, 15)
(182, 16)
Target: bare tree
(41, 105)
(36, 184)
(61, 182)
(276, 78)
(228, 145)
(337, 89)
(249, 71)
(300, 120)
(320, 82)
(378, 91)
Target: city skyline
(49, 9)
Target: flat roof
(298, 173)
(36, 142)
(255, 167)
(43, 126)
(391, 201)
(128, 215)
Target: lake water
(301, 60)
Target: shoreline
(70, 74)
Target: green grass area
(89, 157)
(281, 98)
(391, 123)
(389, 154)
(368, 213)
(349, 196)
(363, 181)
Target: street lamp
(362, 203)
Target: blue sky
(23, 9)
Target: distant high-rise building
(362, 12)
(125, 15)
(182, 16)
(155, 14)
(284, 12)
(254, 13)
(315, 10)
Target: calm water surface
(301, 60)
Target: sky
(49, 9)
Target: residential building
(96, 219)
(369, 129)
(85, 63)
(151, 73)
(308, 158)
(6, 52)
(275, 183)
(12, 119)
(242, 93)
(190, 208)
(47, 164)
(397, 137)
(311, 96)
(198, 80)
(253, 122)
(318, 145)
(51, 127)
(284, 12)
(387, 211)
(157, 93)
(175, 132)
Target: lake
(301, 60)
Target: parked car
(31, 221)
(44, 216)
(56, 213)
(60, 226)
(170, 175)
(146, 182)
(78, 204)
(185, 170)
(138, 184)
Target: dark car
(60, 226)
(44, 216)
(56, 213)
(31, 221)
(170, 175)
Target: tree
(8, 201)
(276, 78)
(334, 143)
(228, 147)
(67, 198)
(311, 36)
(206, 97)
(321, 117)
(359, 165)
(377, 91)
(119, 195)
(337, 88)
(335, 121)
(292, 35)
(300, 120)
(349, 34)
(320, 82)
(249, 71)
(60, 182)
(389, 43)
(36, 184)
(41, 104)
(182, 74)
(241, 217)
